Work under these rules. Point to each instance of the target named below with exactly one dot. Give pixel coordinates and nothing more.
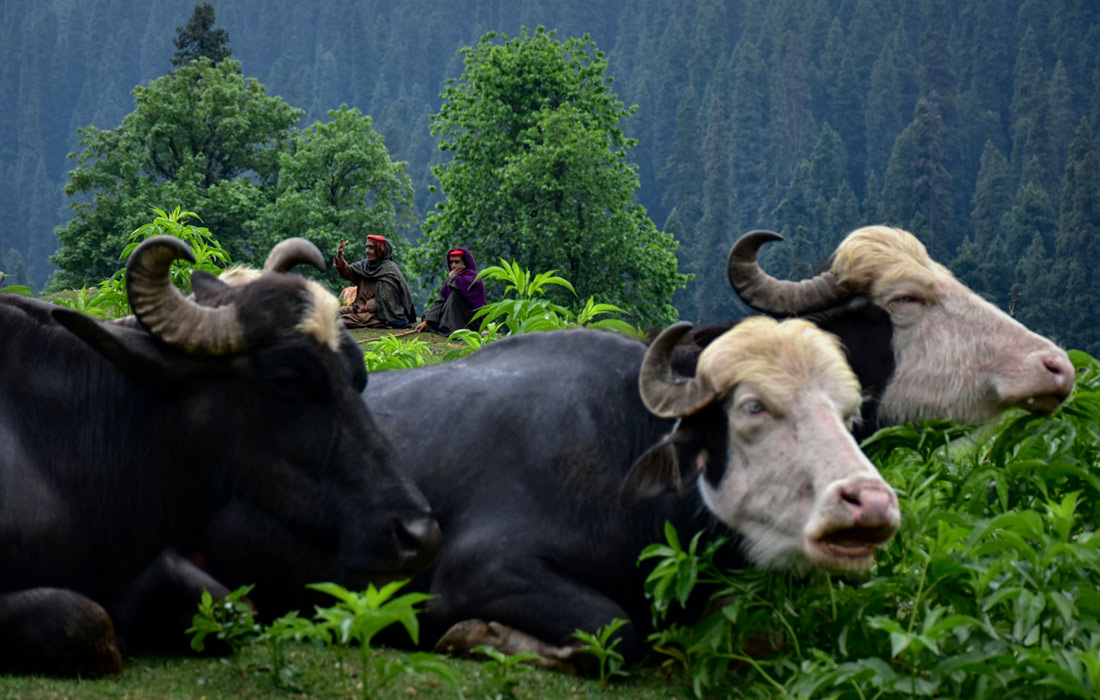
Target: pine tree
(1077, 244)
(748, 133)
(1032, 290)
(793, 127)
(916, 192)
(681, 174)
(717, 229)
(890, 102)
(992, 196)
(199, 38)
(1028, 113)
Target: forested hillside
(969, 122)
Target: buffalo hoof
(464, 637)
(56, 632)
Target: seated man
(452, 311)
(382, 298)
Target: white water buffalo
(921, 342)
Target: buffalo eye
(906, 299)
(290, 382)
(291, 375)
(753, 407)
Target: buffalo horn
(286, 254)
(777, 297)
(665, 393)
(171, 317)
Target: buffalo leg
(58, 632)
(524, 605)
(155, 610)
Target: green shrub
(108, 298)
(391, 352)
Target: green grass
(323, 673)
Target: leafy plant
(108, 299)
(20, 289)
(602, 645)
(471, 340)
(504, 669)
(531, 311)
(355, 619)
(990, 589)
(358, 617)
(209, 255)
(390, 352)
(230, 620)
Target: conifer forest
(971, 123)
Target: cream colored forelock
(781, 356)
(238, 275)
(873, 257)
(322, 318)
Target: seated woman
(382, 298)
(459, 297)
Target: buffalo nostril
(869, 503)
(418, 540)
(1060, 366)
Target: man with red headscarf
(459, 297)
(382, 298)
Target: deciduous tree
(539, 175)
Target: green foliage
(209, 254)
(108, 298)
(199, 38)
(355, 619)
(336, 181)
(20, 289)
(532, 311)
(538, 173)
(358, 617)
(472, 340)
(390, 352)
(206, 135)
(988, 591)
(505, 669)
(602, 645)
(230, 619)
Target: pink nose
(871, 503)
(1059, 365)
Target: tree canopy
(538, 174)
(207, 138)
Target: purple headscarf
(464, 284)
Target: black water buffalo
(523, 448)
(117, 439)
(550, 471)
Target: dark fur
(523, 449)
(113, 445)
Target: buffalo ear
(654, 473)
(206, 285)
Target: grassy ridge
(322, 673)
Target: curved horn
(170, 316)
(665, 393)
(778, 297)
(286, 254)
